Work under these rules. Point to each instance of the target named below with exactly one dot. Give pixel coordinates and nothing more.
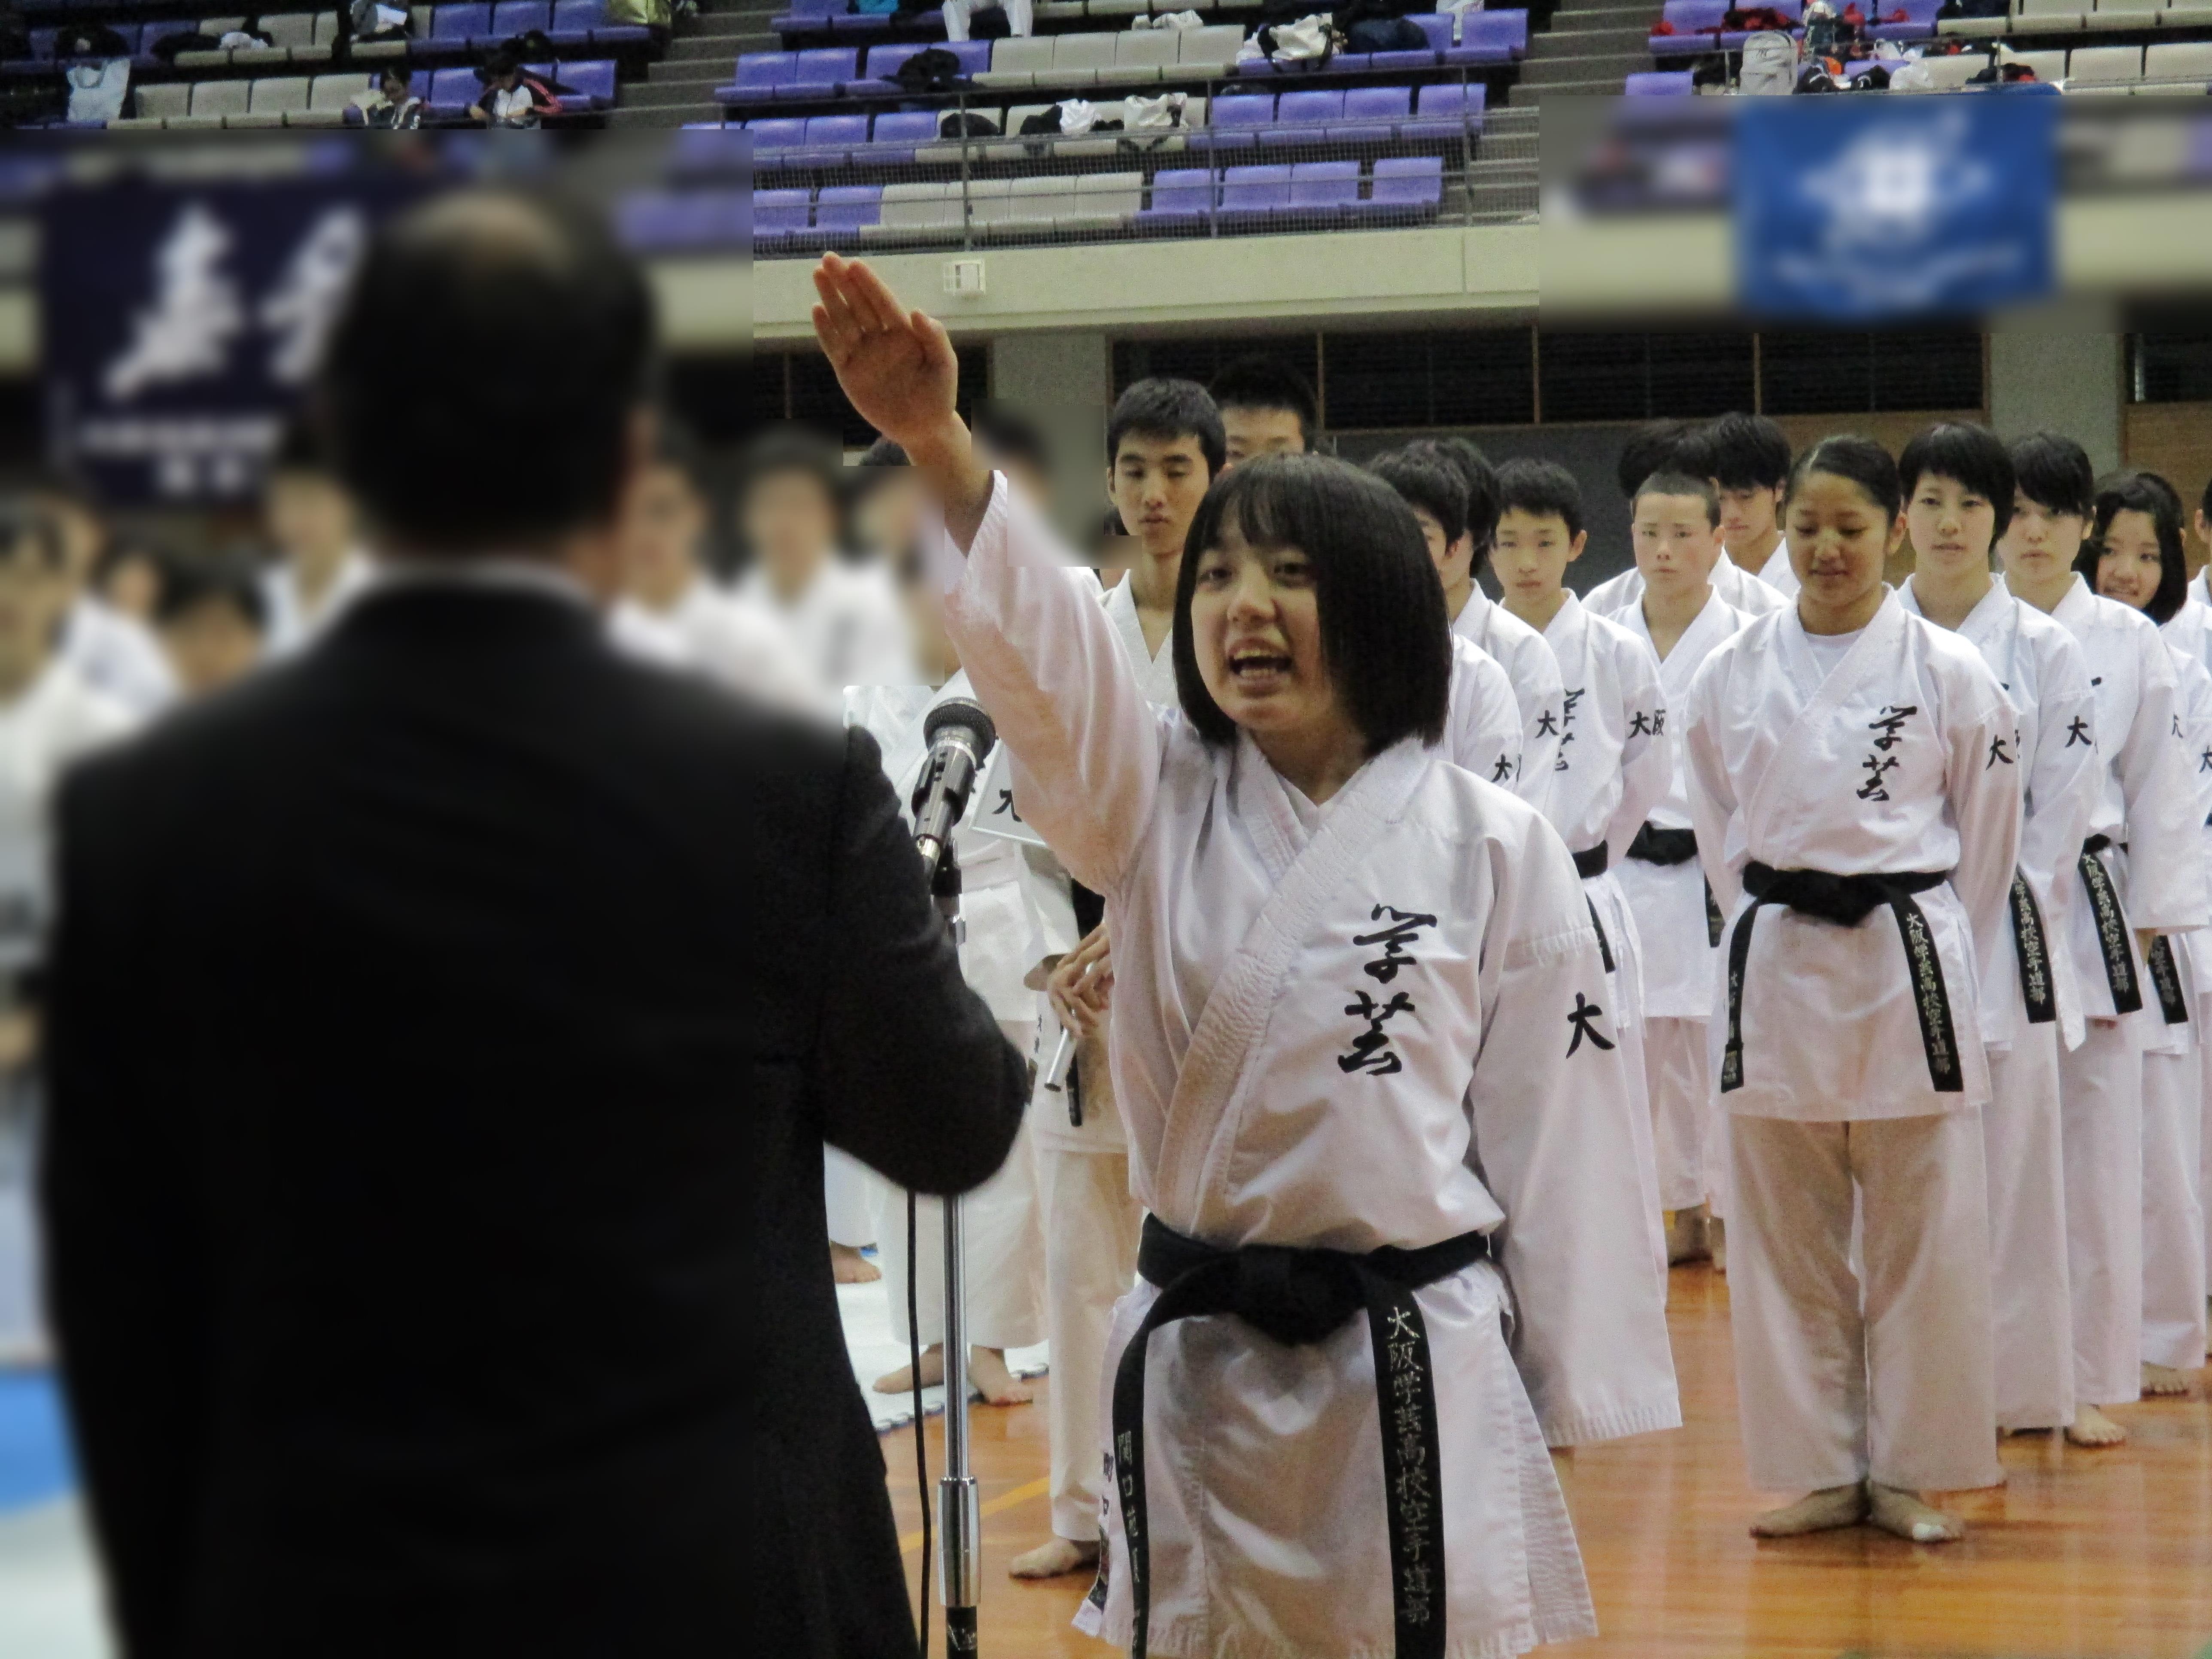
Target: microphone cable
(920, 1448)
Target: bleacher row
(811, 19)
(1697, 26)
(300, 100)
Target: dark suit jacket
(445, 1029)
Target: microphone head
(966, 713)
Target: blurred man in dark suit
(446, 1030)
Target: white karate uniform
(1482, 728)
(847, 627)
(2045, 678)
(1738, 589)
(57, 720)
(292, 623)
(734, 642)
(1520, 650)
(1614, 762)
(1775, 572)
(1867, 754)
(1671, 905)
(1269, 1097)
(117, 655)
(2192, 627)
(2147, 804)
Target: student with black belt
(1857, 831)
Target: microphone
(960, 736)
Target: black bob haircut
(1543, 489)
(535, 443)
(189, 584)
(1654, 446)
(1164, 409)
(1681, 486)
(1973, 455)
(1741, 451)
(1481, 477)
(2054, 472)
(1384, 632)
(1429, 482)
(1267, 383)
(2145, 492)
(1857, 461)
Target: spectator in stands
(311, 524)
(1020, 16)
(396, 108)
(513, 97)
(1266, 408)
(112, 652)
(212, 620)
(372, 20)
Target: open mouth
(1254, 668)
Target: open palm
(896, 366)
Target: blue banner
(1885, 210)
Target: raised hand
(896, 366)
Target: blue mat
(34, 1453)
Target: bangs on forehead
(1266, 507)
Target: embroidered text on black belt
(1298, 1297)
(2111, 927)
(2166, 979)
(2030, 944)
(1848, 901)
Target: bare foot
(1904, 1514)
(988, 1375)
(2091, 1427)
(1054, 1559)
(848, 1266)
(1824, 1511)
(1716, 1242)
(1686, 1234)
(902, 1379)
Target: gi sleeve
(1712, 794)
(2165, 854)
(1647, 758)
(1482, 733)
(1542, 696)
(912, 1075)
(1043, 658)
(1553, 1141)
(2063, 778)
(1985, 804)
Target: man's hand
(1080, 988)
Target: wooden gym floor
(2081, 1555)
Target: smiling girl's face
(1255, 627)
(2131, 564)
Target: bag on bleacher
(97, 90)
(1384, 34)
(933, 71)
(1170, 20)
(958, 124)
(1770, 65)
(1152, 114)
(373, 20)
(1308, 40)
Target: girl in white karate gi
(1855, 819)
(1959, 492)
(2135, 556)
(2138, 875)
(1356, 1010)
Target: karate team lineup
(1438, 970)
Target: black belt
(1848, 901)
(1299, 1298)
(1669, 847)
(2032, 945)
(2165, 979)
(1592, 862)
(2111, 927)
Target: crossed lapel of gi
(1800, 744)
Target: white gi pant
(1020, 16)
(2172, 1210)
(847, 1199)
(2100, 1124)
(1678, 1075)
(1092, 1225)
(1610, 909)
(1839, 1377)
(2029, 1298)
(2204, 1151)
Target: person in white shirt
(212, 620)
(110, 651)
(2138, 875)
(1958, 491)
(1331, 1163)
(48, 718)
(2135, 556)
(1671, 447)
(1856, 823)
(312, 523)
(843, 619)
(1747, 458)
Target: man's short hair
(1383, 631)
(1260, 382)
(2054, 472)
(483, 376)
(1012, 436)
(796, 449)
(1742, 452)
(189, 585)
(1682, 486)
(1427, 481)
(1162, 409)
(1654, 445)
(1542, 489)
(885, 451)
(1973, 455)
(1481, 478)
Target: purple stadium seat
(780, 209)
(1300, 117)
(1659, 83)
(1371, 114)
(1920, 15)
(806, 16)
(453, 25)
(707, 148)
(1423, 58)
(453, 91)
(780, 132)
(1490, 37)
(866, 22)
(512, 17)
(1263, 189)
(572, 21)
(975, 56)
(1180, 196)
(1246, 110)
(819, 73)
(759, 74)
(1695, 23)
(896, 133)
(593, 80)
(420, 82)
(1448, 110)
(881, 65)
(1262, 65)
(836, 134)
(1325, 185)
(1406, 187)
(849, 207)
(1437, 25)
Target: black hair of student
(1427, 481)
(1543, 489)
(2052, 470)
(792, 448)
(1481, 480)
(1654, 446)
(1973, 455)
(1162, 409)
(300, 448)
(189, 584)
(1682, 485)
(675, 445)
(1744, 451)
(2164, 485)
(2145, 492)
(1260, 382)
(1384, 632)
(1857, 461)
(1012, 436)
(500, 63)
(885, 451)
(2204, 501)
(536, 444)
